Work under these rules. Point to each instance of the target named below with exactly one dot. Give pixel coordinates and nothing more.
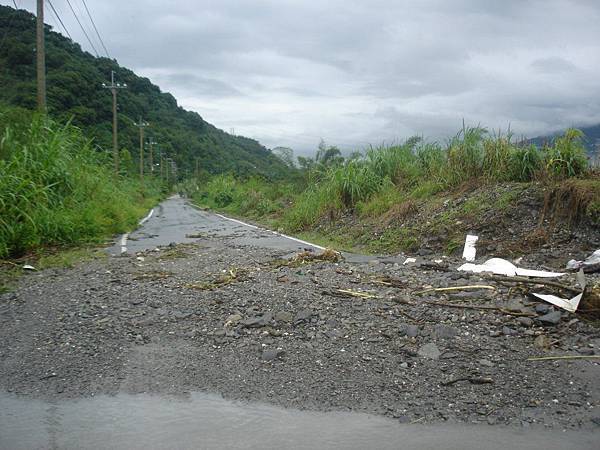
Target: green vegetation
(56, 189)
(391, 198)
(75, 93)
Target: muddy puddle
(203, 421)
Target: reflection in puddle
(208, 421)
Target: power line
(15, 3)
(96, 29)
(60, 20)
(81, 26)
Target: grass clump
(383, 189)
(56, 189)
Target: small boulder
(552, 318)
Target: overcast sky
(289, 72)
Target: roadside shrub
(524, 163)
(567, 157)
(56, 189)
(352, 182)
(380, 202)
(465, 155)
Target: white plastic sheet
(571, 304)
(501, 266)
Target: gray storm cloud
(289, 72)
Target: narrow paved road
(175, 221)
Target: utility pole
(113, 88)
(141, 125)
(40, 57)
(167, 160)
(151, 142)
(161, 166)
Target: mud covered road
(226, 311)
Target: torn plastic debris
(29, 267)
(469, 251)
(591, 263)
(501, 266)
(409, 261)
(570, 305)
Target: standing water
(203, 421)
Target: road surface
(221, 341)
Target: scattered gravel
(160, 323)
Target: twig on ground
(472, 380)
(457, 288)
(532, 281)
(491, 308)
(349, 293)
(554, 358)
(388, 281)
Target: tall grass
(377, 180)
(55, 188)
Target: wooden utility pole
(168, 162)
(41, 57)
(114, 88)
(151, 143)
(141, 125)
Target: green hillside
(74, 80)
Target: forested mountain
(74, 90)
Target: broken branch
(551, 358)
(457, 288)
(532, 281)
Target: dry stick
(550, 358)
(492, 308)
(456, 288)
(472, 380)
(533, 281)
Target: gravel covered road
(225, 311)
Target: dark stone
(444, 332)
(507, 331)
(552, 318)
(303, 315)
(252, 322)
(542, 308)
(271, 354)
(408, 330)
(525, 321)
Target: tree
(328, 156)
(285, 154)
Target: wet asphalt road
(175, 220)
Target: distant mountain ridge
(74, 90)
(591, 139)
